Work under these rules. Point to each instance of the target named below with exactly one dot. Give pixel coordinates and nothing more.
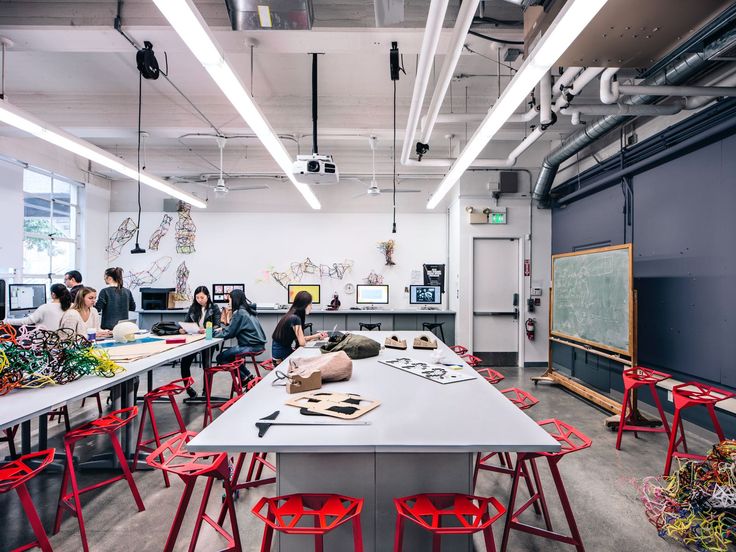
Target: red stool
(633, 379)
(61, 412)
(571, 440)
(10, 439)
(687, 395)
(168, 391)
(490, 375)
(472, 360)
(14, 475)
(107, 425)
(467, 514)
(99, 402)
(268, 365)
(323, 512)
(459, 350)
(236, 388)
(252, 356)
(522, 399)
(173, 457)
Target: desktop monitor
(313, 289)
(220, 291)
(425, 295)
(26, 296)
(371, 295)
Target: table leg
(108, 460)
(57, 465)
(206, 363)
(25, 437)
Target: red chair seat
(252, 357)
(634, 378)
(459, 350)
(472, 360)
(522, 399)
(490, 375)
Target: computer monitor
(313, 289)
(26, 296)
(220, 291)
(425, 295)
(371, 295)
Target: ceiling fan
(221, 189)
(373, 189)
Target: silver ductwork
(284, 15)
(678, 73)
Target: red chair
(236, 388)
(268, 365)
(168, 391)
(99, 402)
(173, 457)
(62, 413)
(10, 439)
(685, 396)
(633, 379)
(459, 350)
(14, 475)
(490, 375)
(252, 357)
(472, 360)
(321, 513)
(571, 440)
(107, 425)
(448, 514)
(522, 399)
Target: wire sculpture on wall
(387, 248)
(160, 232)
(122, 235)
(146, 277)
(186, 230)
(296, 271)
(374, 279)
(183, 291)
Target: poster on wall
(220, 291)
(434, 275)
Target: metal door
(496, 301)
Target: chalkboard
(592, 299)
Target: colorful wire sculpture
(296, 271)
(373, 279)
(122, 235)
(146, 277)
(183, 291)
(697, 504)
(387, 248)
(160, 232)
(186, 230)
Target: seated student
(73, 281)
(116, 301)
(83, 316)
(290, 327)
(48, 315)
(246, 328)
(203, 310)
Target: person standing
(290, 328)
(48, 315)
(244, 326)
(116, 301)
(201, 311)
(73, 281)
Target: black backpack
(165, 328)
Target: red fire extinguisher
(530, 329)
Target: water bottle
(208, 330)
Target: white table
(422, 438)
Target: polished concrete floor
(601, 483)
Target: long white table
(422, 438)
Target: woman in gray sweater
(114, 302)
(246, 328)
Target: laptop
(321, 342)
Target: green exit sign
(498, 218)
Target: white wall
(11, 214)
(242, 247)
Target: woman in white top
(83, 316)
(48, 315)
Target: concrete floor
(599, 480)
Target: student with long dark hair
(114, 302)
(201, 311)
(48, 315)
(244, 326)
(290, 328)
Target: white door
(496, 301)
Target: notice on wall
(434, 275)
(416, 277)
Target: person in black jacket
(116, 301)
(244, 326)
(203, 310)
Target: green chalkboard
(592, 299)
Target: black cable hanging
(138, 249)
(395, 68)
(393, 230)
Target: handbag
(165, 328)
(355, 346)
(332, 366)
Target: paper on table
(190, 327)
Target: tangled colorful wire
(39, 357)
(697, 504)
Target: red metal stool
(490, 375)
(447, 514)
(252, 357)
(99, 402)
(633, 379)
(62, 413)
(522, 399)
(321, 512)
(268, 365)
(571, 440)
(687, 395)
(173, 457)
(14, 475)
(236, 388)
(168, 391)
(10, 439)
(107, 425)
(459, 350)
(472, 360)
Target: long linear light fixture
(26, 122)
(566, 27)
(193, 30)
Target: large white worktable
(422, 438)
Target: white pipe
(609, 88)
(565, 79)
(714, 91)
(430, 40)
(452, 55)
(545, 99)
(580, 82)
(621, 109)
(697, 102)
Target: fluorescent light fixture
(566, 27)
(193, 30)
(26, 122)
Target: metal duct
(677, 74)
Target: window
(50, 226)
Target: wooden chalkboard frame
(630, 352)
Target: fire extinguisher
(530, 329)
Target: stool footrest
(515, 524)
(95, 486)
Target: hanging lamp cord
(140, 103)
(393, 230)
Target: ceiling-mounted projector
(316, 169)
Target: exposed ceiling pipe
(715, 91)
(545, 100)
(683, 69)
(430, 40)
(580, 82)
(452, 56)
(621, 109)
(609, 86)
(726, 77)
